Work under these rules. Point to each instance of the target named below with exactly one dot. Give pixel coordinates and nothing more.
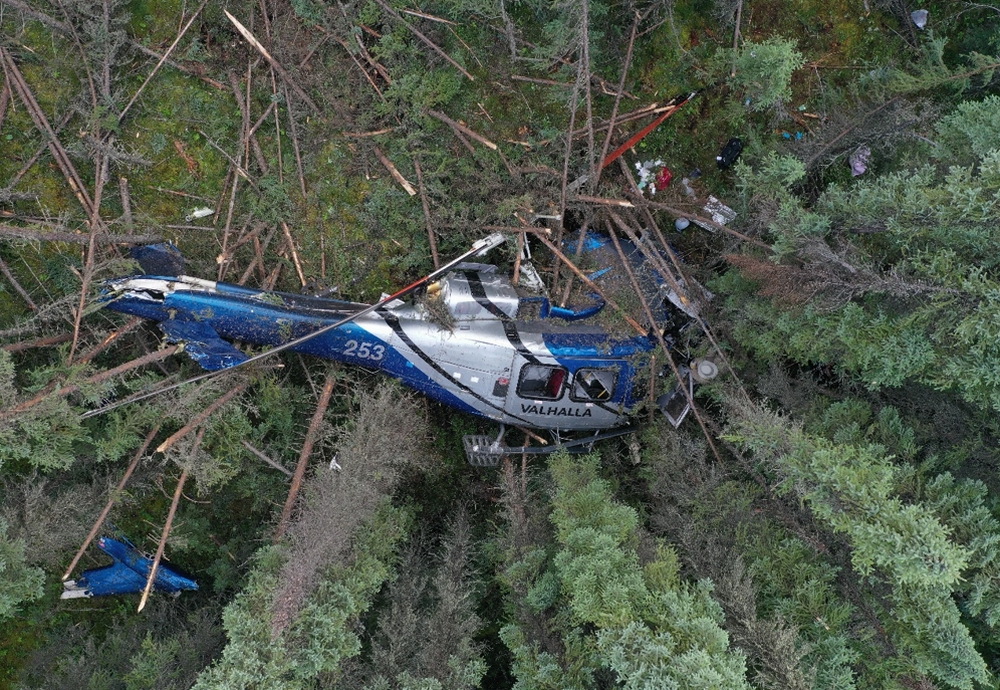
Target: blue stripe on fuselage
(595, 345)
(235, 317)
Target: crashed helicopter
(472, 340)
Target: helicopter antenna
(479, 248)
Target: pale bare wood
(201, 417)
(736, 36)
(267, 460)
(394, 172)
(101, 171)
(516, 228)
(428, 42)
(294, 252)
(680, 213)
(546, 82)
(126, 199)
(180, 35)
(129, 325)
(463, 129)
(224, 255)
(12, 231)
(374, 133)
(677, 265)
(427, 213)
(111, 500)
(424, 15)
(618, 98)
(248, 140)
(166, 527)
(663, 344)
(605, 202)
(577, 250)
(178, 66)
(98, 378)
(66, 166)
(17, 286)
(285, 76)
(41, 342)
(528, 433)
(517, 259)
(307, 446)
(589, 283)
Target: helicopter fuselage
(471, 343)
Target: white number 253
(364, 350)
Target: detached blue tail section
(126, 575)
(202, 344)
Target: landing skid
(486, 451)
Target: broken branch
(15, 232)
(430, 44)
(394, 172)
(111, 500)
(201, 417)
(180, 35)
(582, 276)
(267, 460)
(463, 129)
(307, 446)
(285, 76)
(166, 527)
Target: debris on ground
(730, 152)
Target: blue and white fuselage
(471, 342)
(488, 360)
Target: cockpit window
(593, 385)
(541, 382)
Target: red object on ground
(671, 107)
(663, 178)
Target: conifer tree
(853, 489)
(19, 582)
(293, 622)
(639, 621)
(898, 272)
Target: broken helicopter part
(127, 574)
(471, 341)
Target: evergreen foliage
(639, 621)
(165, 648)
(322, 635)
(931, 233)
(424, 638)
(763, 72)
(782, 604)
(20, 582)
(852, 548)
(853, 490)
(293, 621)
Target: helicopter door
(553, 396)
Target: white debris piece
(719, 212)
(919, 18)
(198, 213)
